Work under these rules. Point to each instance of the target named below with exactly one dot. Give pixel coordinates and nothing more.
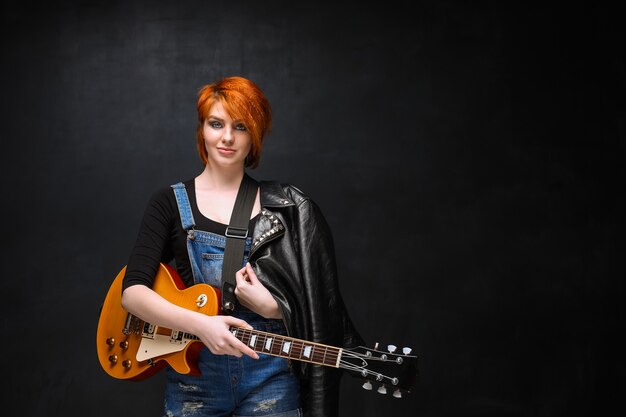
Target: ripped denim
(231, 386)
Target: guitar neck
(289, 347)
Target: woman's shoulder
(164, 195)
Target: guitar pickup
(148, 330)
(177, 337)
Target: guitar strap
(236, 235)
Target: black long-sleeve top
(161, 237)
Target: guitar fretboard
(288, 347)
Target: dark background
(469, 157)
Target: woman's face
(227, 141)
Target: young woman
(287, 283)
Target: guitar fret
(264, 342)
(318, 356)
(299, 349)
(293, 352)
(278, 346)
(261, 342)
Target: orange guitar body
(127, 346)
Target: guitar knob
(127, 364)
(382, 389)
(391, 348)
(406, 350)
(367, 386)
(111, 341)
(124, 344)
(202, 300)
(113, 359)
(397, 394)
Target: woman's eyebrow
(210, 116)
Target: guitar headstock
(393, 370)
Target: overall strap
(184, 208)
(236, 234)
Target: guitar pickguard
(156, 341)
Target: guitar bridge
(127, 322)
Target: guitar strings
(359, 369)
(322, 354)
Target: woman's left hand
(252, 294)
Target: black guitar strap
(236, 234)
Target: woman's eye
(215, 125)
(240, 127)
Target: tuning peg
(406, 350)
(391, 348)
(382, 389)
(367, 386)
(397, 394)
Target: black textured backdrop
(469, 157)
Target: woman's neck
(220, 179)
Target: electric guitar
(132, 349)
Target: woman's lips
(226, 151)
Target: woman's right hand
(214, 332)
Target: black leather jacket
(293, 255)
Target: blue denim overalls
(228, 386)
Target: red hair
(243, 100)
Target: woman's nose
(229, 135)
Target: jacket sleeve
(328, 318)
